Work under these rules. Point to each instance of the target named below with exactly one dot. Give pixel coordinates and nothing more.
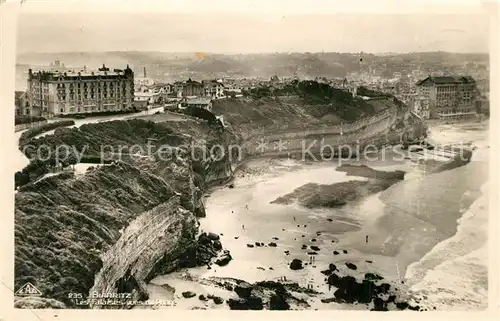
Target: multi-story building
(446, 96)
(21, 103)
(64, 93)
(213, 89)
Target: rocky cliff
(68, 228)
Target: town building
(204, 102)
(446, 97)
(65, 93)
(192, 88)
(22, 104)
(213, 89)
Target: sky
(250, 32)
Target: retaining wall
(30, 125)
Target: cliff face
(69, 228)
(160, 235)
(63, 224)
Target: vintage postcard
(214, 158)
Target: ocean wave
(454, 274)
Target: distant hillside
(176, 66)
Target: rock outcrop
(155, 242)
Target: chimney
(84, 68)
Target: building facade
(22, 104)
(204, 103)
(65, 93)
(213, 89)
(446, 97)
(192, 88)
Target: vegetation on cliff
(32, 132)
(320, 99)
(62, 224)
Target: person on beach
(294, 218)
(246, 206)
(367, 239)
(242, 226)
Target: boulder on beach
(217, 245)
(369, 261)
(351, 266)
(373, 277)
(224, 259)
(312, 253)
(332, 267)
(336, 253)
(213, 236)
(379, 305)
(296, 264)
(333, 279)
(169, 288)
(329, 220)
(250, 245)
(345, 251)
(188, 294)
(327, 272)
(275, 238)
(304, 247)
(314, 247)
(350, 291)
(243, 289)
(278, 302)
(272, 244)
(204, 239)
(218, 300)
(251, 303)
(201, 297)
(231, 185)
(313, 240)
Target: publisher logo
(28, 289)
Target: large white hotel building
(52, 93)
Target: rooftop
(103, 71)
(442, 80)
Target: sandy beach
(403, 224)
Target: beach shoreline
(249, 175)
